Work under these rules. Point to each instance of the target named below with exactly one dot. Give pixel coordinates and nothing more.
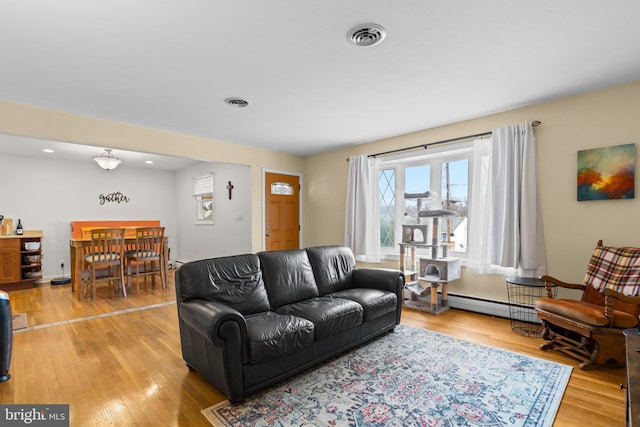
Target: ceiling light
(149, 162)
(366, 35)
(107, 161)
(48, 150)
(237, 102)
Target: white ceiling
(169, 64)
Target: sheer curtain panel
(505, 217)
(362, 228)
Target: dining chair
(104, 256)
(147, 256)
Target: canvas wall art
(606, 173)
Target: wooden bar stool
(147, 255)
(105, 253)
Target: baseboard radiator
(488, 306)
(479, 305)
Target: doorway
(281, 211)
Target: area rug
(412, 377)
(19, 321)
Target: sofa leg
(191, 368)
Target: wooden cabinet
(633, 376)
(10, 270)
(20, 261)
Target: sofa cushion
(332, 267)
(234, 280)
(271, 335)
(330, 316)
(585, 312)
(288, 276)
(374, 302)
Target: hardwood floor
(126, 368)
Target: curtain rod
(534, 124)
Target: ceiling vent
(237, 102)
(366, 35)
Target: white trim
(430, 153)
(262, 202)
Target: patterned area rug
(413, 377)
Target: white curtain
(362, 227)
(505, 221)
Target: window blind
(203, 185)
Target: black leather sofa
(250, 321)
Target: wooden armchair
(590, 329)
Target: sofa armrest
(550, 281)
(219, 323)
(610, 295)
(383, 279)
(214, 339)
(379, 278)
(619, 296)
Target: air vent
(366, 35)
(237, 102)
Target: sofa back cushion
(288, 276)
(234, 280)
(332, 268)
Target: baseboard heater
(479, 305)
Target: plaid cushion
(614, 268)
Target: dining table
(80, 238)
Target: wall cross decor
(229, 187)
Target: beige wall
(598, 119)
(603, 118)
(36, 122)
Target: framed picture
(606, 173)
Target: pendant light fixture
(107, 161)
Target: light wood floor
(127, 369)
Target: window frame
(204, 199)
(435, 157)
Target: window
(436, 180)
(386, 189)
(282, 188)
(416, 181)
(203, 195)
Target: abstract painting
(606, 173)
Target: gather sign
(115, 197)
